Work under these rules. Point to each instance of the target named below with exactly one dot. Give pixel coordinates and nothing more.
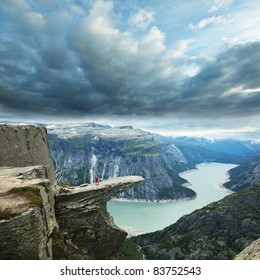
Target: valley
(140, 217)
(183, 211)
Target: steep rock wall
(87, 230)
(25, 145)
(27, 215)
(244, 175)
(113, 152)
(31, 204)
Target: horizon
(172, 134)
(173, 68)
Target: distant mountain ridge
(197, 150)
(229, 146)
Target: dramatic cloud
(92, 58)
(230, 83)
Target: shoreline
(188, 171)
(130, 231)
(150, 201)
(181, 210)
(220, 186)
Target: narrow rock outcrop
(87, 231)
(40, 220)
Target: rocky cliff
(25, 145)
(244, 175)
(26, 193)
(81, 151)
(27, 215)
(87, 230)
(40, 220)
(218, 231)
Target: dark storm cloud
(228, 85)
(63, 60)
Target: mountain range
(38, 216)
(82, 151)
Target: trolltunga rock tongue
(41, 220)
(87, 230)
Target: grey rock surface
(25, 145)
(27, 214)
(244, 175)
(251, 252)
(82, 151)
(31, 204)
(87, 230)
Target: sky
(171, 67)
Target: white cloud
(142, 19)
(177, 64)
(179, 49)
(207, 132)
(153, 42)
(114, 56)
(242, 90)
(35, 19)
(220, 4)
(206, 21)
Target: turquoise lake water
(143, 217)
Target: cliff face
(40, 220)
(244, 175)
(218, 231)
(27, 215)
(87, 230)
(26, 193)
(25, 145)
(80, 152)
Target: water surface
(142, 217)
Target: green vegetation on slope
(218, 231)
(129, 251)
